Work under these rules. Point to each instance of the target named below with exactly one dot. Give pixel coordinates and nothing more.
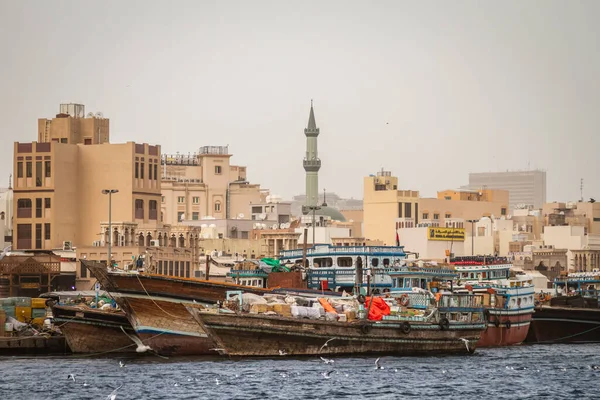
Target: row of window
(152, 209)
(24, 207)
(152, 170)
(25, 237)
(42, 169)
(174, 268)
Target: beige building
(383, 203)
(582, 213)
(205, 184)
(386, 208)
(526, 188)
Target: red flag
(397, 239)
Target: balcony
(24, 212)
(312, 165)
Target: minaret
(311, 162)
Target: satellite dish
(282, 226)
(263, 226)
(274, 226)
(99, 115)
(90, 115)
(263, 216)
(287, 225)
(241, 216)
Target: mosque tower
(311, 162)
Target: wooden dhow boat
(157, 306)
(448, 329)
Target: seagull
(141, 347)
(121, 364)
(217, 381)
(377, 364)
(466, 343)
(327, 360)
(282, 353)
(113, 395)
(325, 345)
(71, 376)
(85, 384)
(220, 349)
(326, 374)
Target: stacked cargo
(25, 309)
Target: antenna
(581, 189)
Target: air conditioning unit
(97, 243)
(155, 243)
(68, 245)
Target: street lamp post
(472, 221)
(109, 192)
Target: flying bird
(466, 343)
(327, 360)
(326, 374)
(282, 353)
(325, 345)
(121, 364)
(71, 376)
(141, 347)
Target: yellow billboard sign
(447, 234)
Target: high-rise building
(525, 188)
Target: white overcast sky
(429, 90)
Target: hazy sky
(429, 90)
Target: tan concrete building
(205, 184)
(582, 213)
(383, 203)
(386, 208)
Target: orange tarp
(378, 309)
(326, 305)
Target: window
(162, 199)
(38, 208)
(141, 170)
(38, 173)
(24, 208)
(152, 209)
(137, 170)
(217, 169)
(181, 199)
(447, 198)
(217, 206)
(244, 234)
(149, 171)
(63, 140)
(425, 215)
(24, 236)
(195, 216)
(38, 236)
(139, 209)
(28, 171)
(180, 216)
(256, 209)
(374, 262)
(48, 169)
(83, 270)
(46, 231)
(436, 216)
(87, 141)
(407, 210)
(196, 200)
(503, 211)
(448, 215)
(20, 169)
(399, 210)
(155, 172)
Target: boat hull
(565, 325)
(166, 325)
(259, 335)
(505, 328)
(33, 345)
(94, 331)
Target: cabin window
(374, 262)
(344, 261)
(484, 275)
(465, 275)
(325, 262)
(386, 262)
(407, 283)
(423, 284)
(472, 275)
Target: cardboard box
(258, 308)
(23, 313)
(38, 303)
(284, 310)
(350, 315)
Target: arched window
(141, 240)
(217, 206)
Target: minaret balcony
(311, 132)
(312, 165)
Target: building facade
(205, 184)
(524, 187)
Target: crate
(23, 313)
(22, 301)
(38, 303)
(38, 321)
(38, 313)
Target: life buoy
(404, 300)
(497, 322)
(366, 328)
(507, 324)
(405, 327)
(444, 324)
(361, 298)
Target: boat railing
(460, 300)
(333, 250)
(242, 273)
(337, 276)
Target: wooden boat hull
(166, 325)
(94, 331)
(505, 328)
(565, 325)
(164, 286)
(33, 345)
(260, 335)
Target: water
(540, 371)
